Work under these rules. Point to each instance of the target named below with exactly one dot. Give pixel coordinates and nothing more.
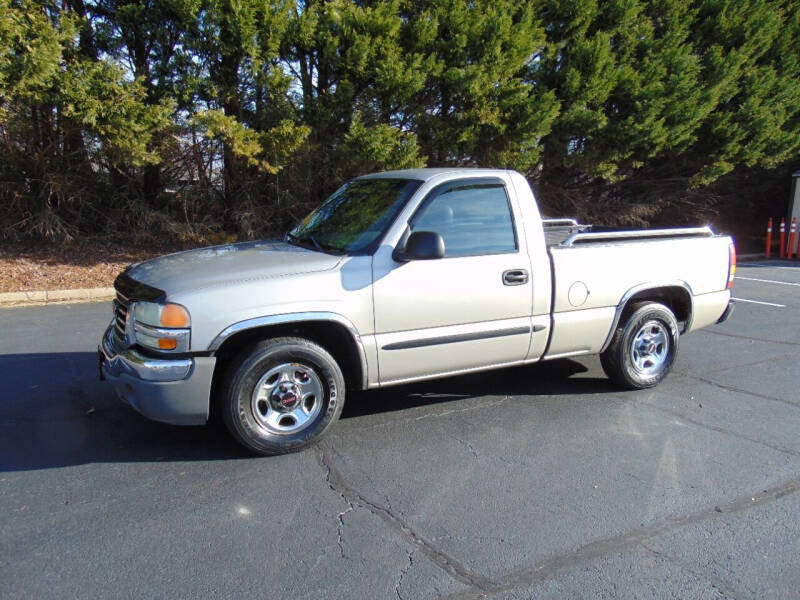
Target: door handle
(515, 277)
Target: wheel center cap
(286, 397)
(647, 346)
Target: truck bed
(568, 232)
(592, 271)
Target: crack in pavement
(340, 519)
(340, 516)
(722, 430)
(730, 388)
(722, 586)
(464, 443)
(763, 361)
(596, 549)
(754, 339)
(471, 448)
(548, 567)
(480, 538)
(403, 572)
(447, 563)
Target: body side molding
(460, 337)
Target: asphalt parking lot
(535, 482)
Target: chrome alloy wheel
(287, 398)
(650, 347)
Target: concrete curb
(55, 296)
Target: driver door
(468, 310)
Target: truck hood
(218, 265)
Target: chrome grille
(121, 305)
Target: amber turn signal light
(167, 344)
(173, 315)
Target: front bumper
(175, 391)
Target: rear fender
(664, 292)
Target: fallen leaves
(85, 263)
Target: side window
(473, 218)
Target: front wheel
(643, 349)
(282, 395)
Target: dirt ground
(84, 263)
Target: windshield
(356, 216)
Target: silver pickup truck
(398, 277)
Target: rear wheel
(282, 395)
(643, 349)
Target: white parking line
(769, 281)
(759, 302)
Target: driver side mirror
(421, 245)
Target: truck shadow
(55, 413)
(544, 379)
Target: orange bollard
(792, 231)
(768, 250)
(783, 238)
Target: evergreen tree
(475, 107)
(237, 43)
(150, 39)
(353, 78)
(751, 56)
(670, 88)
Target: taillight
(731, 265)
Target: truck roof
(427, 173)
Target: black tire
(251, 419)
(640, 367)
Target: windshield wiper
(320, 246)
(313, 240)
(304, 240)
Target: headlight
(161, 315)
(161, 326)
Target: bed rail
(640, 234)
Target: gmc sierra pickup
(397, 277)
